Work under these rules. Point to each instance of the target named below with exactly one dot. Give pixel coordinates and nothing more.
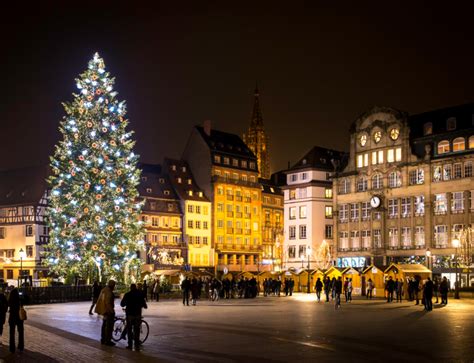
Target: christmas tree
(93, 211)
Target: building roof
(268, 187)
(226, 143)
(180, 174)
(156, 186)
(23, 186)
(409, 267)
(320, 158)
(464, 115)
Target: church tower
(257, 140)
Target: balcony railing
(238, 214)
(238, 198)
(229, 197)
(230, 231)
(230, 214)
(238, 230)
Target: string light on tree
(93, 214)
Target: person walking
(156, 290)
(333, 288)
(185, 287)
(3, 312)
(443, 289)
(14, 320)
(436, 288)
(133, 302)
(370, 287)
(338, 292)
(349, 290)
(327, 287)
(318, 287)
(194, 290)
(145, 289)
(105, 307)
(428, 294)
(400, 290)
(389, 287)
(292, 286)
(416, 289)
(95, 295)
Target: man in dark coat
(133, 302)
(443, 290)
(185, 287)
(390, 287)
(3, 311)
(428, 293)
(327, 287)
(416, 289)
(318, 288)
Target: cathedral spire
(256, 139)
(257, 118)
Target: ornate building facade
(257, 140)
(407, 193)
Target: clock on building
(377, 136)
(375, 201)
(363, 139)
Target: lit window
(217, 159)
(417, 176)
(394, 133)
(292, 232)
(235, 162)
(303, 212)
(366, 159)
(328, 211)
(226, 161)
(390, 155)
(328, 193)
(398, 154)
(394, 179)
(443, 147)
(360, 161)
(362, 184)
(377, 136)
(363, 139)
(471, 142)
(380, 160)
(459, 144)
(374, 157)
(292, 212)
(377, 181)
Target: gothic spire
(257, 118)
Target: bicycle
(120, 330)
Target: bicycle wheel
(119, 328)
(144, 331)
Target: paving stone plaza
(271, 329)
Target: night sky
(177, 65)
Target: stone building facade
(408, 189)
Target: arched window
(377, 181)
(459, 144)
(362, 184)
(471, 142)
(394, 179)
(344, 186)
(443, 147)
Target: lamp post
(309, 255)
(22, 256)
(456, 244)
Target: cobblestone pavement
(272, 329)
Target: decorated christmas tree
(93, 214)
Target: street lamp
(22, 256)
(309, 255)
(456, 244)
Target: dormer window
(183, 169)
(443, 147)
(161, 180)
(166, 192)
(179, 180)
(200, 194)
(451, 123)
(427, 128)
(235, 162)
(244, 164)
(173, 167)
(190, 181)
(252, 165)
(144, 178)
(217, 159)
(170, 207)
(226, 161)
(190, 193)
(148, 190)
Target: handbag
(22, 313)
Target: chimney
(207, 127)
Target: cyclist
(133, 301)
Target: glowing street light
(456, 244)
